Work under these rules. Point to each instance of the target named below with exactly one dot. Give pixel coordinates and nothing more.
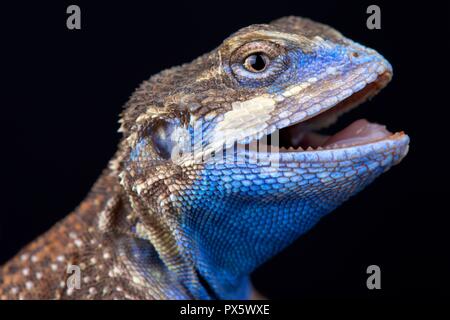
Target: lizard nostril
(355, 54)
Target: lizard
(221, 165)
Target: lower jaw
(359, 133)
(395, 145)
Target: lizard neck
(224, 250)
(215, 272)
(197, 261)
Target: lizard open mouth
(305, 135)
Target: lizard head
(224, 153)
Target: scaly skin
(170, 219)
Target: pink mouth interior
(359, 132)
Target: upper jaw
(392, 148)
(339, 93)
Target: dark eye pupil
(255, 62)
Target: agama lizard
(220, 167)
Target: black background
(62, 91)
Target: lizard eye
(258, 63)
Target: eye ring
(258, 63)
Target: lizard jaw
(303, 135)
(360, 136)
